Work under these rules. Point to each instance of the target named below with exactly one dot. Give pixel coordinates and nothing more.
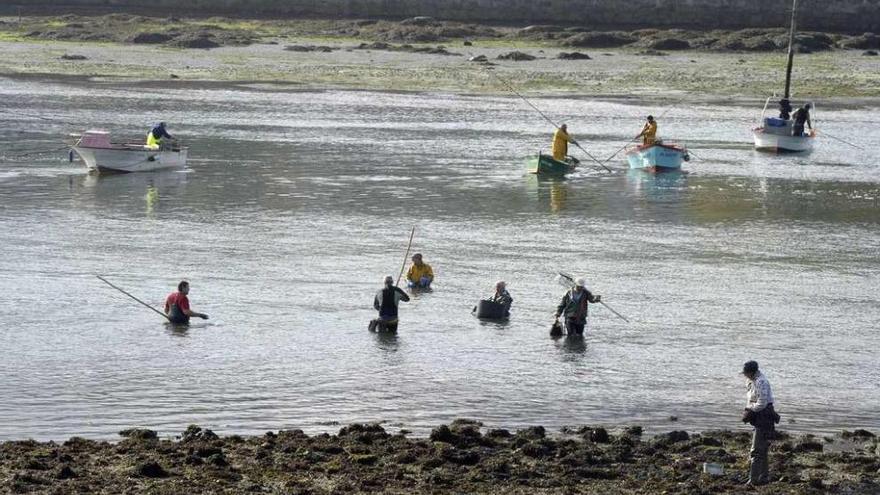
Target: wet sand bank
(435, 56)
(461, 457)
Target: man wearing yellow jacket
(155, 136)
(420, 274)
(649, 132)
(560, 143)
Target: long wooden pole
(571, 281)
(548, 119)
(102, 279)
(790, 49)
(633, 139)
(406, 256)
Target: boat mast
(785, 104)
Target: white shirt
(758, 394)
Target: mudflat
(423, 54)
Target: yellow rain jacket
(560, 144)
(416, 272)
(649, 133)
(152, 142)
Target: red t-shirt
(179, 299)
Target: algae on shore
(254, 51)
(462, 457)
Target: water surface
(297, 203)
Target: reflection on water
(387, 341)
(553, 191)
(297, 203)
(574, 344)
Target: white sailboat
(778, 134)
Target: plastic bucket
(491, 310)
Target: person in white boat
(156, 135)
(801, 117)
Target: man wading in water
(420, 274)
(177, 306)
(574, 307)
(385, 303)
(759, 413)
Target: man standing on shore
(177, 306)
(759, 413)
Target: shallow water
(297, 203)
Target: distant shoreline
(462, 457)
(853, 16)
(438, 56)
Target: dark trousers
(759, 471)
(176, 316)
(574, 327)
(797, 130)
(381, 325)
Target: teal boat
(546, 165)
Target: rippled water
(296, 204)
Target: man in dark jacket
(385, 303)
(802, 117)
(574, 307)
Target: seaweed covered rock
(516, 56)
(573, 56)
(195, 433)
(150, 469)
(150, 38)
(867, 41)
(669, 44)
(611, 39)
(138, 434)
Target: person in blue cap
(155, 136)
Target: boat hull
(778, 143)
(656, 158)
(546, 165)
(131, 159)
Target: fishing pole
(633, 139)
(406, 256)
(102, 279)
(571, 281)
(548, 119)
(843, 141)
(35, 116)
(41, 152)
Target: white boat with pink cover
(99, 154)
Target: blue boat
(657, 157)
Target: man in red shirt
(177, 305)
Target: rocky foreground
(458, 458)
